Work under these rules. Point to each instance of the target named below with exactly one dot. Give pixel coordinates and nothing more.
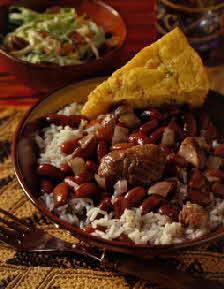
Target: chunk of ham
(192, 149)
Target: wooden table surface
(139, 17)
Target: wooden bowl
(23, 145)
(44, 77)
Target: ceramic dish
(25, 166)
(43, 76)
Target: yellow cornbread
(167, 72)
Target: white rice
(74, 108)
(54, 136)
(141, 229)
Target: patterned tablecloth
(26, 271)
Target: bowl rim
(79, 233)
(15, 59)
(192, 10)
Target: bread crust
(167, 72)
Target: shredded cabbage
(61, 37)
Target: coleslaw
(57, 36)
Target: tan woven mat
(25, 271)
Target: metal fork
(19, 235)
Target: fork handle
(164, 275)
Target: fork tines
(13, 222)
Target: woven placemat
(25, 270)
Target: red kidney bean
(64, 120)
(138, 139)
(60, 194)
(50, 171)
(87, 150)
(219, 151)
(102, 150)
(66, 169)
(92, 166)
(87, 141)
(83, 177)
(168, 210)
(78, 152)
(121, 146)
(120, 204)
(176, 159)
(218, 189)
(215, 173)
(16, 43)
(197, 180)
(151, 113)
(46, 187)
(106, 132)
(103, 135)
(156, 135)
(134, 196)
(190, 125)
(69, 146)
(148, 127)
(106, 205)
(86, 190)
(150, 203)
(199, 197)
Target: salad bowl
(44, 76)
(25, 167)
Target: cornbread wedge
(167, 72)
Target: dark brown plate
(45, 77)
(25, 157)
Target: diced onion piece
(82, 124)
(77, 165)
(120, 134)
(93, 127)
(212, 179)
(121, 187)
(214, 143)
(161, 188)
(183, 192)
(130, 120)
(101, 181)
(183, 175)
(168, 137)
(213, 163)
